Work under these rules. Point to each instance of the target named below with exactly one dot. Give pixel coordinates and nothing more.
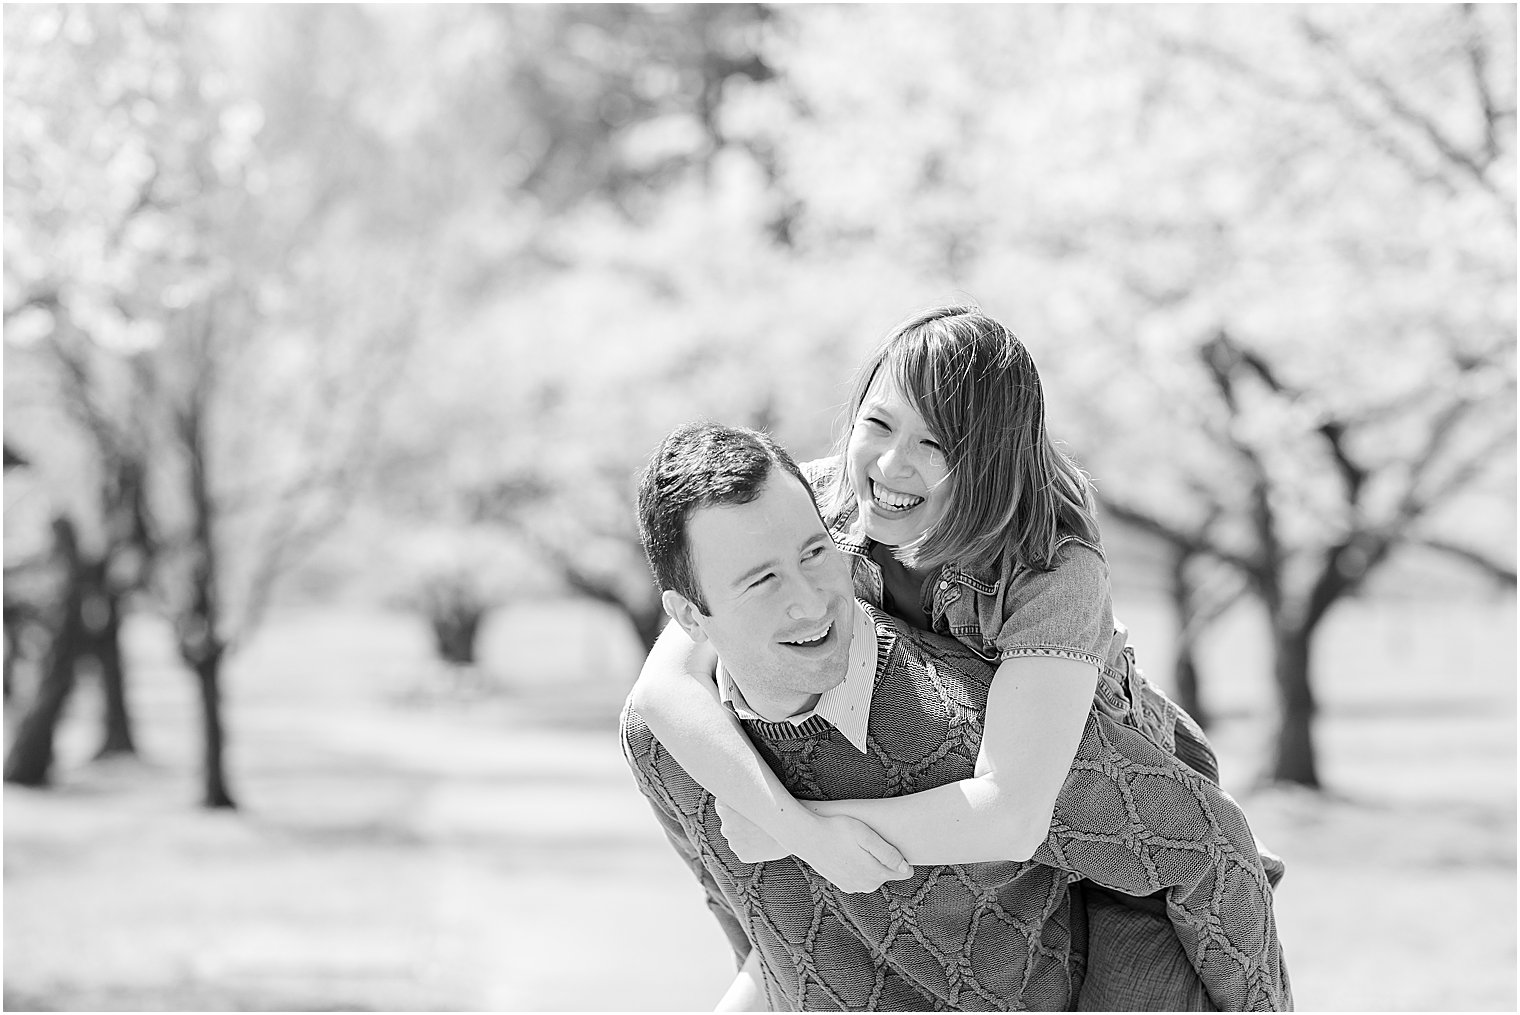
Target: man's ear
(684, 612)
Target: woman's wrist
(806, 828)
(794, 825)
(818, 808)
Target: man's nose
(808, 600)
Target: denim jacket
(1007, 611)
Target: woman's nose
(895, 461)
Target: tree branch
(1422, 494)
(1477, 56)
(1496, 569)
(1209, 601)
(1206, 52)
(1394, 103)
(47, 299)
(1194, 543)
(1222, 358)
(1333, 430)
(1342, 568)
(288, 534)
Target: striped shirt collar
(846, 705)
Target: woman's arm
(1036, 711)
(677, 699)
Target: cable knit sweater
(986, 936)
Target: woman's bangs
(917, 375)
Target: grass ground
(409, 843)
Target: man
(744, 561)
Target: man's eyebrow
(744, 579)
(770, 563)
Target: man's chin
(832, 672)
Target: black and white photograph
(659, 507)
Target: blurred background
(335, 336)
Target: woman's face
(895, 465)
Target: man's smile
(816, 641)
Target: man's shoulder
(655, 769)
(629, 720)
(638, 741)
(924, 654)
(928, 688)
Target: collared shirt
(846, 705)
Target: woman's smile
(893, 501)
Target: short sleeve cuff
(1053, 651)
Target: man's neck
(779, 709)
(771, 707)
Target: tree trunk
(1185, 669)
(106, 647)
(31, 755)
(208, 672)
(1295, 760)
(455, 629)
(202, 642)
(1185, 680)
(12, 649)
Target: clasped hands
(844, 851)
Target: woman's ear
(685, 613)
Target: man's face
(779, 595)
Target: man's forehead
(728, 540)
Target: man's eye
(814, 553)
(761, 580)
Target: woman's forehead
(886, 392)
(884, 389)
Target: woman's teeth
(892, 500)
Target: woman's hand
(749, 841)
(845, 852)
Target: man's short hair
(698, 465)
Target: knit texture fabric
(975, 937)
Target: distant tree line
(458, 267)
